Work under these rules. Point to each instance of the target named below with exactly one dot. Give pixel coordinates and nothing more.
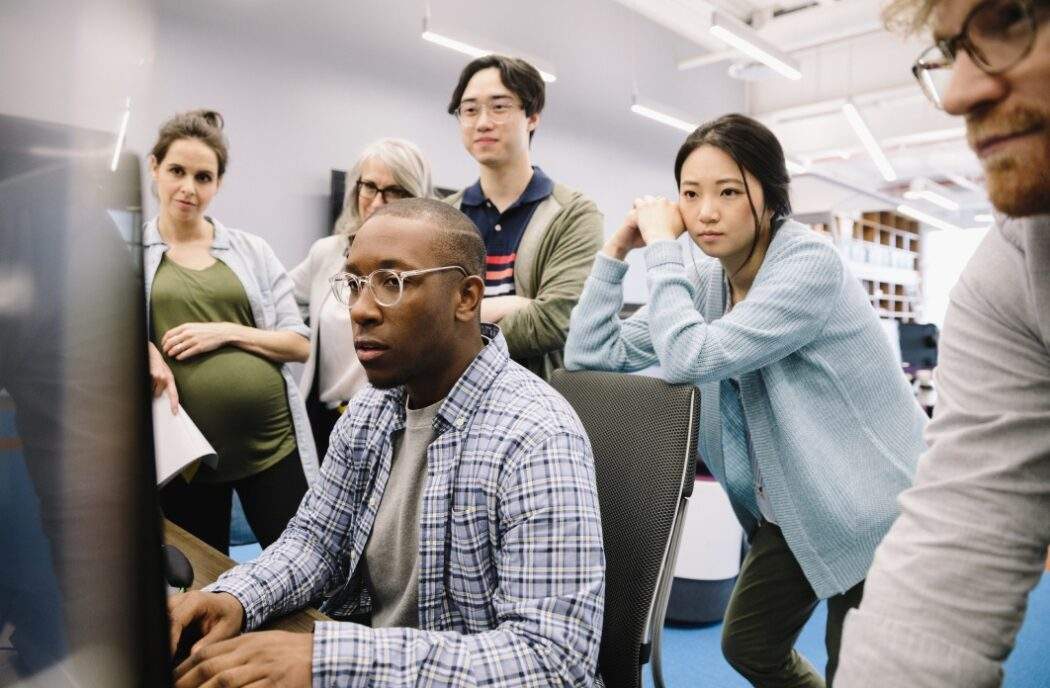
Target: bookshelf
(883, 250)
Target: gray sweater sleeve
(947, 591)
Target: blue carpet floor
(243, 553)
(693, 656)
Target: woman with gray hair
(386, 171)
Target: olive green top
(235, 397)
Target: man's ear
(532, 121)
(468, 298)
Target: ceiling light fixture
(453, 44)
(742, 37)
(869, 142)
(931, 136)
(646, 110)
(471, 50)
(916, 214)
(965, 183)
(932, 197)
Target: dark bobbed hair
(754, 148)
(204, 125)
(456, 240)
(517, 75)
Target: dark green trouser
(771, 603)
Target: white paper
(177, 442)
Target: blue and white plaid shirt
(511, 578)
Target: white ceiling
(844, 53)
(600, 50)
(603, 51)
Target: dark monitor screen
(919, 346)
(81, 590)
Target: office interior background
(304, 86)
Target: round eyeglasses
(996, 34)
(499, 111)
(388, 286)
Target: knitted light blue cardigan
(834, 427)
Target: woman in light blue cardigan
(806, 418)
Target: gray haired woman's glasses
(368, 190)
(388, 286)
(997, 34)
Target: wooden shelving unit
(883, 250)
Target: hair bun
(212, 117)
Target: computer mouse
(178, 571)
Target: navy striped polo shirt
(502, 232)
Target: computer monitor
(81, 588)
(918, 343)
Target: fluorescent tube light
(663, 118)
(121, 134)
(965, 183)
(743, 38)
(932, 197)
(453, 44)
(916, 214)
(866, 138)
(934, 136)
(470, 50)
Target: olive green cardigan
(553, 260)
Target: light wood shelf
(883, 250)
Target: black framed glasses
(996, 34)
(367, 190)
(499, 110)
(388, 286)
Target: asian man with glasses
(946, 594)
(541, 236)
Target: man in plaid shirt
(456, 504)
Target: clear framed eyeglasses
(499, 109)
(996, 34)
(388, 286)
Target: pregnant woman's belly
(238, 400)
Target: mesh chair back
(642, 431)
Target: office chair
(642, 431)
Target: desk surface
(209, 563)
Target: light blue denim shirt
(269, 291)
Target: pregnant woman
(223, 324)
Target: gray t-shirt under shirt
(391, 558)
